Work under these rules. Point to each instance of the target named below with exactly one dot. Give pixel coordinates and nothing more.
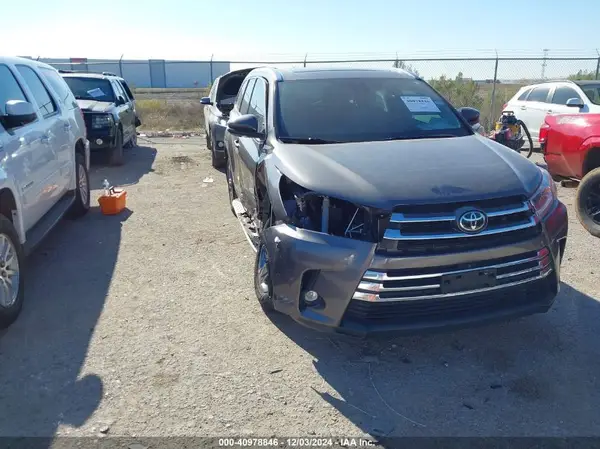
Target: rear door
(534, 110)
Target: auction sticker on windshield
(420, 104)
(97, 92)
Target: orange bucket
(114, 202)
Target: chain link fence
(486, 82)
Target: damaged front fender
(333, 264)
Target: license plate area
(471, 280)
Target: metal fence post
(211, 68)
(305, 56)
(597, 65)
(493, 105)
(121, 65)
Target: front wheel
(262, 279)
(588, 202)
(11, 269)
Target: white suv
(532, 103)
(44, 163)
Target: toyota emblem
(472, 221)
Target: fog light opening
(220, 144)
(99, 141)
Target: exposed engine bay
(313, 211)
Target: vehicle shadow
(537, 375)
(138, 162)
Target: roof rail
(109, 74)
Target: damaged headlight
(316, 212)
(545, 196)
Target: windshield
(91, 89)
(592, 91)
(363, 109)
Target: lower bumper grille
(411, 285)
(450, 309)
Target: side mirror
(245, 125)
(471, 115)
(18, 113)
(205, 101)
(120, 101)
(575, 103)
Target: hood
(392, 173)
(94, 106)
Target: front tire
(262, 279)
(588, 202)
(81, 206)
(11, 278)
(116, 154)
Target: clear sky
(243, 29)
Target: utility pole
(544, 63)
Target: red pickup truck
(570, 144)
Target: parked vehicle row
(373, 206)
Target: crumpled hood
(391, 173)
(94, 106)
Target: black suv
(373, 206)
(108, 107)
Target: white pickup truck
(44, 164)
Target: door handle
(236, 142)
(523, 108)
(45, 139)
(549, 110)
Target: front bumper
(341, 271)
(218, 140)
(101, 139)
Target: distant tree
(583, 75)
(404, 66)
(459, 91)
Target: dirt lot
(146, 324)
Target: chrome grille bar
(375, 283)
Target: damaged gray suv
(373, 206)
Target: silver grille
(406, 285)
(431, 226)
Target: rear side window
(246, 99)
(39, 91)
(539, 94)
(258, 103)
(564, 93)
(9, 88)
(523, 96)
(57, 83)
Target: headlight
(102, 121)
(544, 197)
(316, 212)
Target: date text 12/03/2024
(296, 442)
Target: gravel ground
(146, 324)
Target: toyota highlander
(373, 206)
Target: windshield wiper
(421, 136)
(307, 140)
